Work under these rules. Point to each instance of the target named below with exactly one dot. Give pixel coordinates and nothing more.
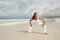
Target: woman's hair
(33, 17)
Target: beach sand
(19, 32)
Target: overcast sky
(27, 7)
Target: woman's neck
(36, 18)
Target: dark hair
(34, 15)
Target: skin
(43, 21)
(36, 18)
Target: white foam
(13, 23)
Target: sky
(26, 8)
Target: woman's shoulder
(41, 18)
(31, 19)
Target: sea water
(17, 21)
(12, 21)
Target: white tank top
(36, 22)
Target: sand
(19, 32)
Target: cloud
(5, 3)
(27, 7)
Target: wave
(12, 21)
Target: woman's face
(36, 16)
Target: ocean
(17, 21)
(12, 21)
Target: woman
(35, 20)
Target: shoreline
(19, 32)
(47, 20)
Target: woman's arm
(30, 23)
(43, 21)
